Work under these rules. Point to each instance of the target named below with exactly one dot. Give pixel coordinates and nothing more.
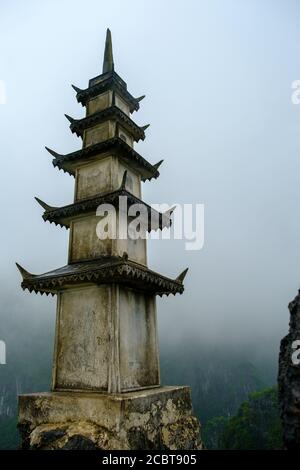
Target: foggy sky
(217, 77)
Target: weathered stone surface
(85, 243)
(106, 340)
(289, 381)
(158, 419)
(105, 175)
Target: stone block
(158, 419)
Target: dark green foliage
(212, 431)
(256, 425)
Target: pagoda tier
(63, 216)
(115, 146)
(104, 82)
(114, 113)
(104, 270)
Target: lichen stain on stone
(182, 435)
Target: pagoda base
(159, 419)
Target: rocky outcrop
(289, 380)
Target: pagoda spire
(108, 60)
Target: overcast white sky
(217, 77)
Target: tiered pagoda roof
(108, 81)
(116, 146)
(78, 126)
(105, 269)
(63, 215)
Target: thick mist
(217, 77)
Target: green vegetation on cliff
(256, 425)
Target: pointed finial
(70, 119)
(145, 127)
(170, 211)
(140, 98)
(157, 165)
(76, 88)
(181, 276)
(25, 274)
(52, 152)
(44, 205)
(108, 60)
(165, 220)
(123, 184)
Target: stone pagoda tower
(106, 391)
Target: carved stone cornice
(103, 83)
(78, 126)
(104, 270)
(63, 215)
(116, 146)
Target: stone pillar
(106, 340)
